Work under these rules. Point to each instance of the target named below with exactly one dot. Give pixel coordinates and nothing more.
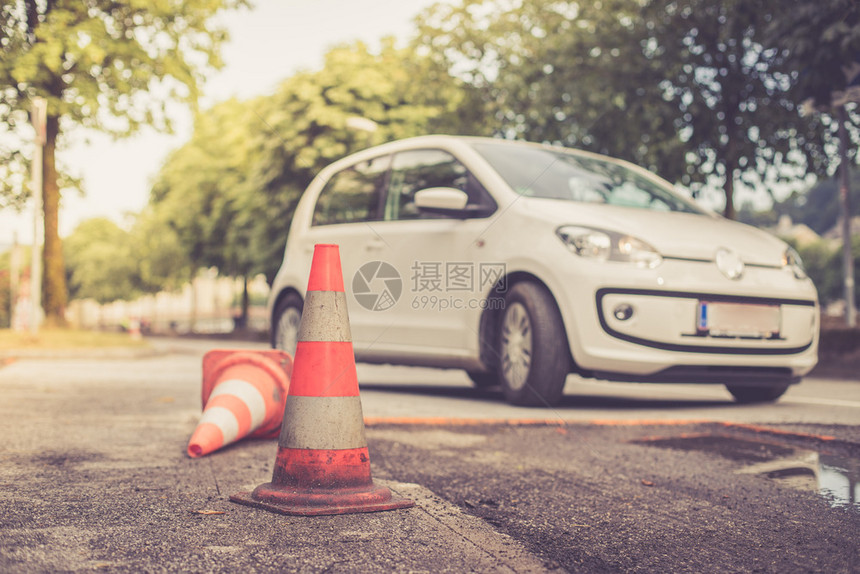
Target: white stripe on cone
(224, 419)
(248, 394)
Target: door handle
(375, 244)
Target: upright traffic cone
(244, 393)
(322, 465)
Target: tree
(247, 163)
(734, 92)
(100, 262)
(203, 178)
(690, 90)
(112, 66)
(554, 72)
(197, 196)
(106, 263)
(823, 40)
(822, 261)
(825, 45)
(162, 262)
(358, 99)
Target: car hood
(673, 234)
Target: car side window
(412, 171)
(353, 194)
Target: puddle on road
(836, 478)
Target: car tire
(483, 379)
(745, 394)
(534, 359)
(285, 323)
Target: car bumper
(663, 339)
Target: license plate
(738, 320)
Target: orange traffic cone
(243, 395)
(323, 466)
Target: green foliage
(112, 66)
(159, 254)
(108, 66)
(823, 262)
(226, 197)
(106, 263)
(100, 264)
(196, 193)
(315, 118)
(823, 39)
(230, 192)
(702, 92)
(14, 178)
(690, 90)
(563, 72)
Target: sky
(268, 43)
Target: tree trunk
(246, 302)
(192, 320)
(54, 295)
(729, 212)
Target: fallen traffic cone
(243, 395)
(323, 466)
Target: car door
(345, 209)
(437, 258)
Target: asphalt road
(619, 478)
(428, 393)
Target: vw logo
(729, 263)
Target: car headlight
(604, 245)
(791, 259)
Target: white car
(521, 263)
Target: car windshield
(556, 174)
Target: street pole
(39, 117)
(845, 200)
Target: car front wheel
(534, 359)
(285, 325)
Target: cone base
(303, 502)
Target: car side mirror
(443, 200)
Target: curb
(7, 357)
